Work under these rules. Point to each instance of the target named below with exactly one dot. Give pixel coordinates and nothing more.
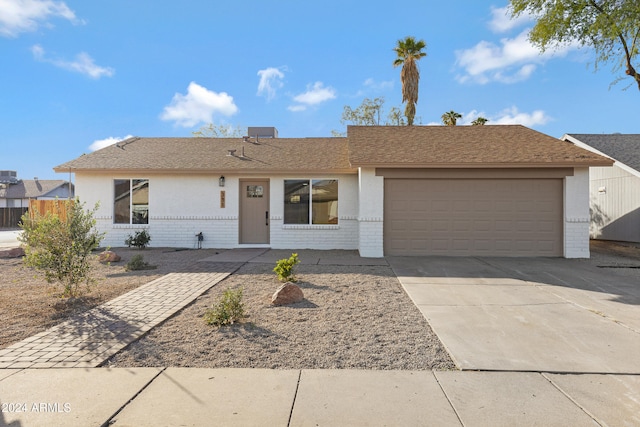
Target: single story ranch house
(382, 190)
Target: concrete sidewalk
(259, 397)
(9, 239)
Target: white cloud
(83, 63)
(19, 16)
(314, 95)
(502, 22)
(508, 116)
(198, 106)
(102, 143)
(270, 82)
(512, 61)
(296, 108)
(371, 83)
(511, 116)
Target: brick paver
(91, 338)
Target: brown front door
(254, 211)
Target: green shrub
(227, 310)
(61, 248)
(137, 262)
(140, 240)
(284, 268)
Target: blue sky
(78, 74)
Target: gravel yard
(352, 316)
(356, 317)
(29, 305)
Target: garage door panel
(515, 217)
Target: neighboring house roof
(205, 154)
(377, 146)
(31, 189)
(463, 146)
(624, 148)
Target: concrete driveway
(528, 314)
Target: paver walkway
(90, 338)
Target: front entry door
(254, 211)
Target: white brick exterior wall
(576, 214)
(182, 205)
(371, 213)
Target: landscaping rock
(109, 256)
(12, 253)
(287, 294)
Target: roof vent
(231, 153)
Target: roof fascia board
(484, 165)
(351, 171)
(617, 163)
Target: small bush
(228, 310)
(137, 262)
(284, 268)
(61, 247)
(140, 240)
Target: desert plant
(137, 262)
(61, 248)
(284, 268)
(140, 240)
(227, 310)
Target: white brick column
(370, 213)
(576, 214)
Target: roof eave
(484, 165)
(222, 171)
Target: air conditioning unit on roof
(262, 132)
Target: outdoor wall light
(221, 181)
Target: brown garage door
(485, 217)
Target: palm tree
(409, 51)
(479, 121)
(450, 118)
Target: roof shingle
(624, 148)
(375, 146)
(463, 146)
(211, 154)
(29, 188)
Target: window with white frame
(311, 201)
(131, 201)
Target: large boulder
(109, 256)
(11, 253)
(287, 294)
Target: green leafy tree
(450, 118)
(61, 247)
(409, 52)
(480, 121)
(610, 27)
(370, 113)
(219, 131)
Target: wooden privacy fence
(54, 207)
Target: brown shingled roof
(463, 146)
(375, 146)
(211, 154)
